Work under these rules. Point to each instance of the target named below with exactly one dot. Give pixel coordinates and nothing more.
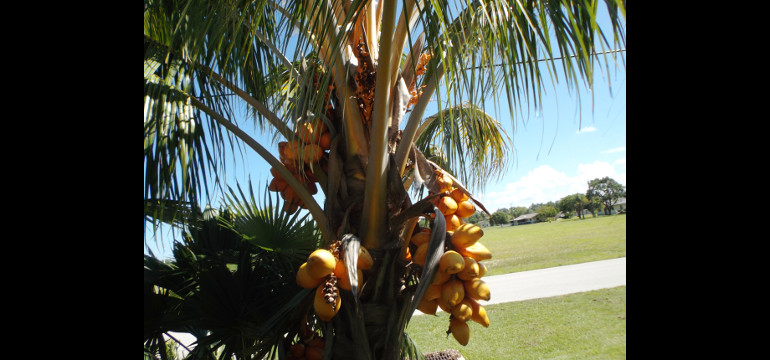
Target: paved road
(559, 280)
(555, 281)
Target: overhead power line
(557, 58)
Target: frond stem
(312, 206)
(410, 130)
(261, 108)
(373, 219)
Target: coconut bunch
(306, 153)
(309, 347)
(325, 271)
(455, 204)
(456, 287)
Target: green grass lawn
(588, 325)
(563, 242)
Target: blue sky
(556, 151)
(573, 140)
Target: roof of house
(525, 217)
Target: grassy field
(588, 325)
(563, 242)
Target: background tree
(500, 217)
(605, 191)
(593, 205)
(545, 212)
(477, 218)
(573, 203)
(566, 205)
(518, 211)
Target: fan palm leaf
(226, 282)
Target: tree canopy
(606, 191)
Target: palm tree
(365, 72)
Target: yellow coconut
(463, 310)
(420, 238)
(477, 251)
(443, 305)
(459, 195)
(482, 269)
(479, 313)
(452, 292)
(326, 141)
(406, 254)
(466, 235)
(326, 311)
(440, 278)
(445, 183)
(465, 209)
(310, 132)
(365, 260)
(433, 292)
(428, 306)
(343, 280)
(477, 289)
(277, 184)
(321, 262)
(311, 153)
(451, 262)
(460, 330)
(420, 254)
(470, 269)
(447, 205)
(305, 280)
(453, 222)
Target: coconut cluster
(456, 287)
(326, 272)
(309, 346)
(308, 152)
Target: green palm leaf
(227, 275)
(467, 142)
(268, 227)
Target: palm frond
(270, 228)
(409, 349)
(227, 275)
(498, 48)
(176, 146)
(468, 143)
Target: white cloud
(544, 184)
(586, 129)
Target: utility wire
(558, 58)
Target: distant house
(524, 219)
(619, 206)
